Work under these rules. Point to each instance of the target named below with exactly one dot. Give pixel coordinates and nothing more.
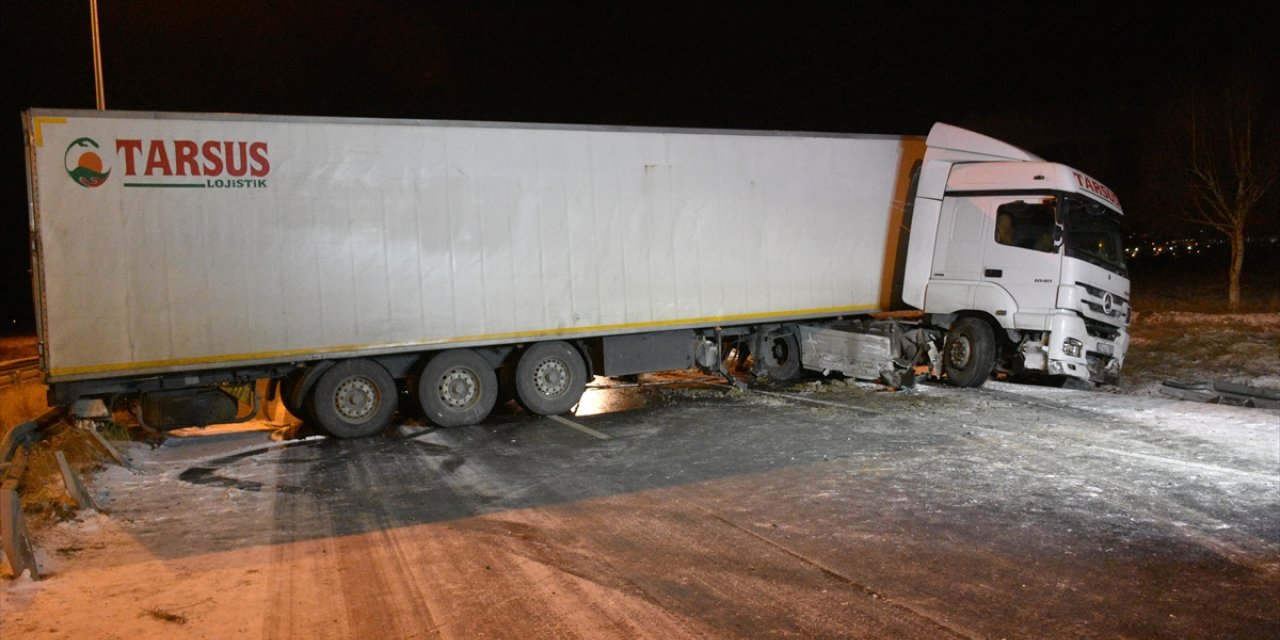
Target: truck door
(1021, 255)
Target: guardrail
(14, 371)
(14, 538)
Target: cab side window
(1028, 225)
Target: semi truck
(369, 266)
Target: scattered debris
(160, 614)
(1218, 392)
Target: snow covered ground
(175, 557)
(1235, 348)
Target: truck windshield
(1094, 234)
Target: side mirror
(1057, 237)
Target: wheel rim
(458, 388)
(551, 377)
(959, 352)
(357, 399)
(780, 351)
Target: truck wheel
(778, 355)
(456, 388)
(354, 399)
(969, 353)
(550, 378)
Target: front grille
(1098, 293)
(1101, 330)
(1119, 304)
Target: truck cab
(1030, 248)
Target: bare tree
(1232, 163)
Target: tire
(457, 388)
(969, 353)
(354, 399)
(550, 378)
(778, 354)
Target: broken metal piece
(75, 487)
(1218, 392)
(106, 446)
(14, 539)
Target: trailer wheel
(457, 388)
(354, 399)
(550, 378)
(969, 353)
(778, 354)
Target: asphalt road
(704, 512)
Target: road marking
(790, 396)
(1210, 468)
(587, 430)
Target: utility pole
(99, 93)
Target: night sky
(1090, 84)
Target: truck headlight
(1072, 347)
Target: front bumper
(1086, 349)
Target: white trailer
(173, 253)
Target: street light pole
(99, 93)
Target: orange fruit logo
(83, 164)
